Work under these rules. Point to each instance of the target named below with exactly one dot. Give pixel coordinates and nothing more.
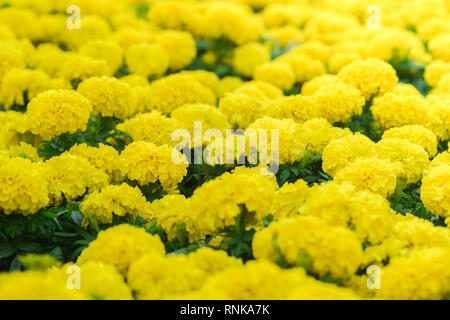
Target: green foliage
(56, 231)
(408, 71)
(409, 202)
(310, 171)
(223, 48)
(239, 243)
(98, 130)
(364, 124)
(278, 50)
(198, 174)
(142, 10)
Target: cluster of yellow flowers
(88, 112)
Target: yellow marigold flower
(28, 27)
(277, 72)
(340, 260)
(155, 57)
(406, 89)
(443, 86)
(289, 198)
(440, 115)
(387, 43)
(340, 152)
(109, 96)
(106, 50)
(33, 261)
(158, 277)
(389, 248)
(129, 34)
(156, 280)
(213, 261)
(175, 90)
(284, 36)
(317, 133)
(14, 126)
(318, 290)
(209, 57)
(120, 246)
(435, 190)
(310, 87)
(261, 90)
(206, 78)
(413, 157)
(136, 80)
(443, 157)
(24, 150)
(427, 271)
(210, 117)
(433, 27)
(24, 187)
(36, 285)
(103, 157)
(439, 47)
(55, 112)
(69, 177)
(259, 279)
(305, 68)
(16, 82)
(102, 281)
(245, 104)
(339, 60)
(331, 28)
(367, 214)
(49, 58)
(290, 148)
(419, 232)
(423, 10)
(249, 56)
(77, 67)
(314, 49)
(147, 163)
(231, 21)
(396, 110)
(434, 72)
(174, 14)
(6, 33)
(338, 102)
(279, 14)
(94, 28)
(170, 211)
(180, 46)
(416, 134)
(228, 84)
(298, 107)
(371, 76)
(52, 26)
(10, 57)
(113, 200)
(376, 175)
(151, 127)
(244, 186)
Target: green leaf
(284, 175)
(6, 252)
(76, 216)
(15, 264)
(28, 246)
(65, 234)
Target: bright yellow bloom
(24, 187)
(55, 112)
(109, 96)
(120, 246)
